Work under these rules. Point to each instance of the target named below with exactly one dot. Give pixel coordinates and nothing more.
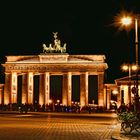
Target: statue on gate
(56, 47)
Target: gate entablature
(64, 63)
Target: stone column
(129, 94)
(69, 88)
(66, 95)
(119, 97)
(42, 90)
(14, 88)
(108, 98)
(47, 88)
(122, 95)
(84, 89)
(7, 88)
(1, 94)
(105, 95)
(24, 88)
(101, 90)
(30, 87)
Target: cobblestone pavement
(120, 135)
(57, 127)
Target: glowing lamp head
(126, 20)
(134, 67)
(125, 67)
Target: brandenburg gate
(53, 61)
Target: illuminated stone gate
(47, 64)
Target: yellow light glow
(41, 102)
(6, 101)
(115, 92)
(125, 67)
(23, 100)
(58, 101)
(101, 103)
(111, 101)
(126, 21)
(134, 67)
(50, 101)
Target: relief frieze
(54, 67)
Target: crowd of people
(24, 108)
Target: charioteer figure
(56, 46)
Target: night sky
(87, 27)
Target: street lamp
(129, 68)
(126, 20)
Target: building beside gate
(125, 87)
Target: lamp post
(137, 62)
(136, 39)
(127, 20)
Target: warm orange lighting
(115, 92)
(6, 101)
(100, 102)
(134, 67)
(125, 67)
(112, 101)
(58, 101)
(41, 103)
(131, 67)
(126, 20)
(50, 101)
(23, 100)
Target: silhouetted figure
(26, 108)
(89, 110)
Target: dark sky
(87, 28)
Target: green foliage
(127, 116)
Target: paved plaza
(61, 126)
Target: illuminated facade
(125, 86)
(46, 65)
(53, 61)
